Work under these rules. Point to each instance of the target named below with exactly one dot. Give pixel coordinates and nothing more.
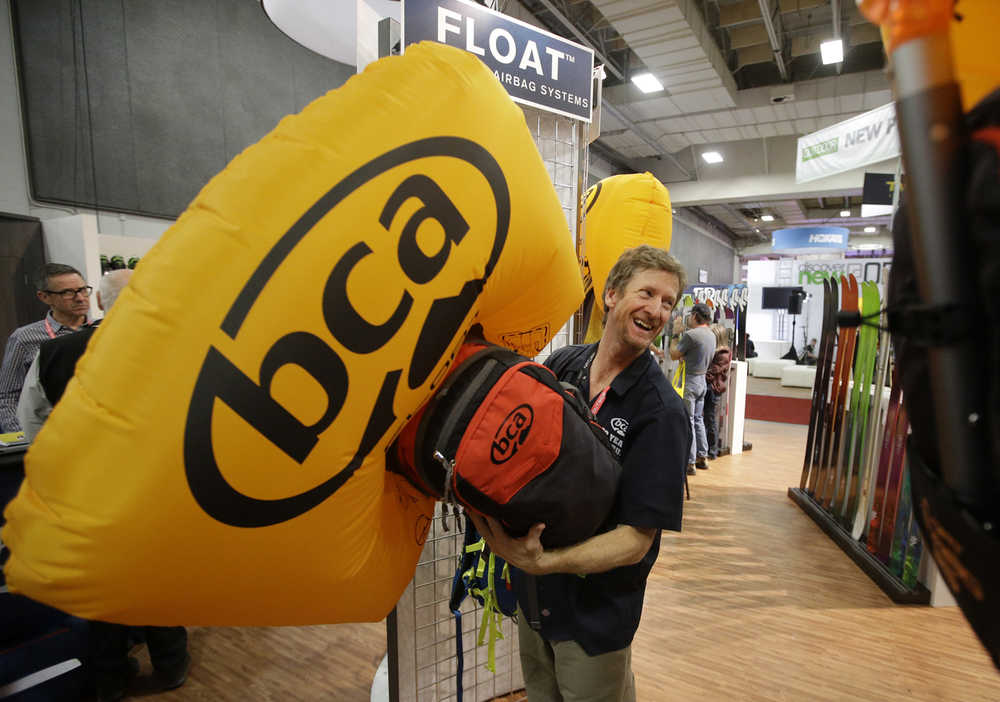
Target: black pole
(932, 137)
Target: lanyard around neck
(598, 402)
(48, 329)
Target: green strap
(492, 616)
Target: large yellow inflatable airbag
(219, 456)
(621, 212)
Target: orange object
(904, 20)
(970, 25)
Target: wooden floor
(751, 602)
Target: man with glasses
(67, 294)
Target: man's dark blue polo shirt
(651, 433)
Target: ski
(876, 424)
(901, 533)
(857, 436)
(824, 374)
(885, 459)
(821, 380)
(845, 359)
(892, 490)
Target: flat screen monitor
(777, 298)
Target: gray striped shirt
(22, 347)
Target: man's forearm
(8, 416)
(623, 545)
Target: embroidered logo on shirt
(619, 425)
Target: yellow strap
(680, 378)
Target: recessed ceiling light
(767, 218)
(674, 210)
(712, 157)
(832, 51)
(845, 213)
(870, 230)
(647, 83)
(757, 230)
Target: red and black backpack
(504, 438)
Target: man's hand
(525, 553)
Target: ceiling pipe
(772, 35)
(614, 111)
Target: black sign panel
(878, 189)
(535, 67)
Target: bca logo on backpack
(511, 434)
(505, 438)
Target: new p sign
(535, 67)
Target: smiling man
(67, 294)
(582, 650)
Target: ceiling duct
(774, 37)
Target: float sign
(535, 67)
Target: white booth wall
(768, 327)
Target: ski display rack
(855, 482)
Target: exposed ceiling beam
(610, 155)
(788, 6)
(657, 147)
(749, 35)
(772, 33)
(565, 21)
(748, 55)
(833, 214)
(707, 225)
(740, 13)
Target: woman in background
(716, 379)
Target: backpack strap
(424, 468)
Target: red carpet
(790, 410)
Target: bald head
(112, 284)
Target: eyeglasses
(70, 293)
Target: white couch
(798, 376)
(768, 367)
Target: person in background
(751, 352)
(56, 360)
(46, 381)
(809, 354)
(716, 380)
(583, 650)
(696, 346)
(67, 294)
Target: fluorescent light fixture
(870, 230)
(767, 218)
(647, 83)
(832, 51)
(867, 247)
(712, 157)
(845, 213)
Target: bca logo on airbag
(512, 434)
